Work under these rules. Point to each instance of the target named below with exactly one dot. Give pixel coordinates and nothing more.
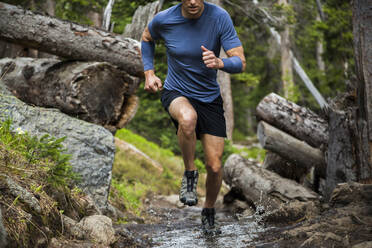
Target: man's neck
(187, 15)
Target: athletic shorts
(211, 119)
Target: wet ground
(343, 222)
(180, 227)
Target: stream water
(181, 228)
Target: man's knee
(214, 166)
(187, 122)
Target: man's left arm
(235, 63)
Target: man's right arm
(152, 83)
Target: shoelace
(210, 218)
(190, 183)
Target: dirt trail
(180, 227)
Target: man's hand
(210, 59)
(152, 83)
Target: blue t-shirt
(183, 38)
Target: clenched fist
(152, 83)
(210, 59)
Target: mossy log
(96, 92)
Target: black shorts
(211, 119)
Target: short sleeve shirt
(183, 38)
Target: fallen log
(290, 148)
(67, 39)
(96, 92)
(293, 119)
(284, 168)
(262, 187)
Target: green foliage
(45, 150)
(150, 148)
(132, 193)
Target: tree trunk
(96, 92)
(319, 51)
(286, 60)
(340, 159)
(107, 15)
(290, 148)
(362, 18)
(68, 39)
(262, 187)
(224, 81)
(141, 18)
(293, 119)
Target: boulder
(91, 146)
(98, 228)
(3, 233)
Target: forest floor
(168, 224)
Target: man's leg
(213, 148)
(183, 112)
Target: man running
(194, 32)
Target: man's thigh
(180, 108)
(213, 147)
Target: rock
(98, 228)
(73, 228)
(18, 191)
(86, 202)
(55, 243)
(367, 244)
(346, 193)
(95, 228)
(91, 146)
(292, 212)
(3, 233)
(323, 240)
(113, 213)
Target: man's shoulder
(215, 11)
(166, 14)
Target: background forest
(320, 37)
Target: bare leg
(182, 111)
(213, 149)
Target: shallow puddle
(181, 228)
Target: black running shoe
(209, 225)
(188, 194)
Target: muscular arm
(152, 82)
(237, 51)
(211, 61)
(146, 36)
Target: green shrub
(46, 151)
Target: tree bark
(224, 81)
(286, 59)
(340, 158)
(107, 15)
(290, 148)
(96, 92)
(141, 18)
(68, 39)
(293, 119)
(362, 116)
(262, 187)
(284, 168)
